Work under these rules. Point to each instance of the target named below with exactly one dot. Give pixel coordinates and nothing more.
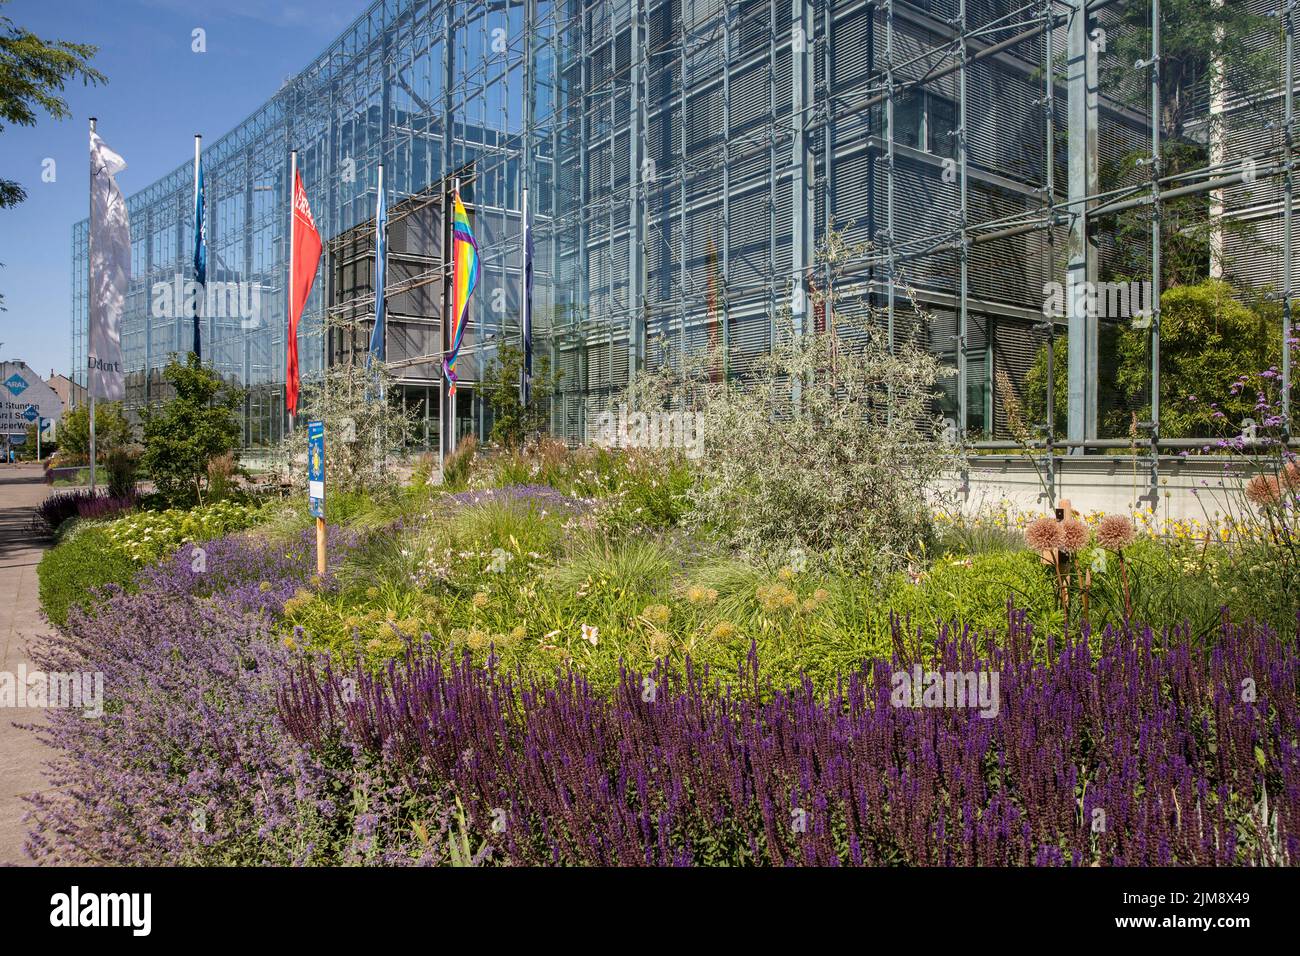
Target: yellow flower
(656, 614)
(786, 573)
(821, 595)
(773, 597)
(290, 643)
(723, 631)
(518, 632)
(478, 640)
(264, 586)
(372, 592)
(701, 595)
(481, 599)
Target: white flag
(110, 271)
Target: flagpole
(446, 312)
(455, 186)
(381, 274)
(381, 246)
(198, 300)
(90, 305)
(526, 311)
(288, 298)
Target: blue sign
(16, 384)
(316, 468)
(30, 413)
(16, 440)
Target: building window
(925, 121)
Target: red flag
(306, 256)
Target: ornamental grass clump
(1158, 753)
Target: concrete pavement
(21, 754)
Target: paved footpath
(21, 754)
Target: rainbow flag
(464, 277)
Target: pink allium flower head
(1074, 534)
(1263, 489)
(1043, 534)
(1291, 475)
(1115, 532)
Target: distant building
(68, 390)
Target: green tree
(27, 450)
(33, 73)
(187, 432)
(112, 430)
(512, 422)
(361, 430)
(1208, 339)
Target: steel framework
(689, 160)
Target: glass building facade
(686, 161)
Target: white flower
(590, 634)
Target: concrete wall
(1192, 487)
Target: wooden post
(320, 547)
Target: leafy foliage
(363, 423)
(149, 535)
(33, 74)
(112, 430)
(829, 444)
(513, 423)
(85, 560)
(1207, 338)
(197, 425)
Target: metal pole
(963, 279)
(1049, 102)
(525, 306)
(383, 331)
(288, 328)
(90, 305)
(889, 166)
(198, 300)
(1288, 198)
(637, 169)
(1081, 274)
(1156, 208)
(724, 291)
(455, 318)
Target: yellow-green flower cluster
(149, 535)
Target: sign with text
(25, 399)
(316, 468)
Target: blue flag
(381, 256)
(200, 248)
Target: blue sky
(159, 94)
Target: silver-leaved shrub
(831, 444)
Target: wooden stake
(320, 547)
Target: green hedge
(85, 559)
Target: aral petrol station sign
(25, 399)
